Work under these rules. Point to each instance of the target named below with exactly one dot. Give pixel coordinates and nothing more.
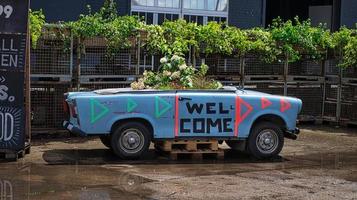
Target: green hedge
(290, 39)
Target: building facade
(240, 13)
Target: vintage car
(128, 120)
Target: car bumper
(74, 130)
(292, 134)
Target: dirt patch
(321, 164)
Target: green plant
(172, 37)
(109, 10)
(344, 42)
(37, 21)
(350, 54)
(118, 31)
(175, 74)
(214, 40)
(200, 80)
(261, 42)
(296, 38)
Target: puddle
(69, 181)
(98, 174)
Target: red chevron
(265, 103)
(284, 105)
(239, 117)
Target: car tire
(105, 139)
(131, 140)
(266, 140)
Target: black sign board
(12, 125)
(13, 16)
(13, 35)
(11, 88)
(12, 51)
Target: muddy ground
(321, 164)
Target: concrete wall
(246, 13)
(349, 13)
(68, 10)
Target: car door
(205, 114)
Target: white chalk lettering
(6, 10)
(6, 191)
(8, 60)
(6, 126)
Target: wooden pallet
(263, 78)
(305, 78)
(188, 145)
(190, 149)
(195, 155)
(310, 119)
(11, 155)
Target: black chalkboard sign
(13, 40)
(13, 16)
(12, 51)
(11, 88)
(12, 127)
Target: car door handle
(184, 99)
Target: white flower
(166, 73)
(175, 58)
(145, 73)
(138, 85)
(175, 75)
(182, 67)
(163, 60)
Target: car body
(228, 114)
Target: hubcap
(131, 141)
(267, 141)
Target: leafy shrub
(344, 42)
(172, 37)
(175, 74)
(296, 38)
(116, 30)
(37, 20)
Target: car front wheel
(266, 140)
(130, 140)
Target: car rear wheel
(266, 140)
(130, 140)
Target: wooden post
(242, 68)
(323, 73)
(286, 68)
(78, 74)
(339, 96)
(28, 88)
(138, 57)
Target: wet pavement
(321, 164)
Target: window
(217, 5)
(194, 19)
(169, 3)
(166, 16)
(194, 4)
(148, 17)
(217, 19)
(144, 2)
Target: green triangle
(94, 117)
(166, 106)
(131, 105)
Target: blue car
(128, 120)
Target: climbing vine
(291, 39)
(37, 21)
(295, 38)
